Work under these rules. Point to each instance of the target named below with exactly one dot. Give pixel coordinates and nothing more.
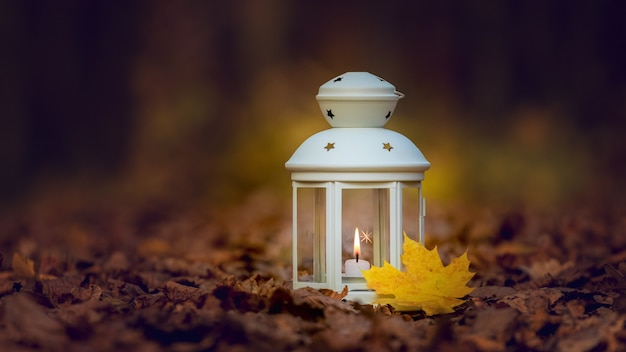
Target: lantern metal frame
(356, 154)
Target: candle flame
(357, 244)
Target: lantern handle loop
(400, 95)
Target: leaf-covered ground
(158, 275)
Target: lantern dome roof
(359, 150)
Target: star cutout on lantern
(366, 237)
(338, 79)
(387, 146)
(329, 146)
(388, 114)
(330, 114)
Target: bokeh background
(514, 103)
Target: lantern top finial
(357, 99)
(358, 86)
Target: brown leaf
(530, 301)
(23, 267)
(61, 289)
(552, 267)
(576, 308)
(334, 294)
(255, 284)
(51, 266)
(179, 293)
(617, 275)
(593, 333)
(124, 290)
(89, 293)
(318, 300)
(150, 300)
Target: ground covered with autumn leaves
(158, 275)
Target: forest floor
(152, 276)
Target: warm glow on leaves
(426, 284)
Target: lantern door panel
(412, 210)
(310, 226)
(363, 229)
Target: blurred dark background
(511, 101)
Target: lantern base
(363, 297)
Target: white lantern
(356, 188)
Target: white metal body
(363, 157)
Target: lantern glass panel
(311, 234)
(412, 212)
(367, 210)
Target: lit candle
(354, 266)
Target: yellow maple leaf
(426, 284)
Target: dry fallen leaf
(427, 284)
(319, 299)
(23, 267)
(552, 267)
(336, 295)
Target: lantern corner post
(294, 231)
